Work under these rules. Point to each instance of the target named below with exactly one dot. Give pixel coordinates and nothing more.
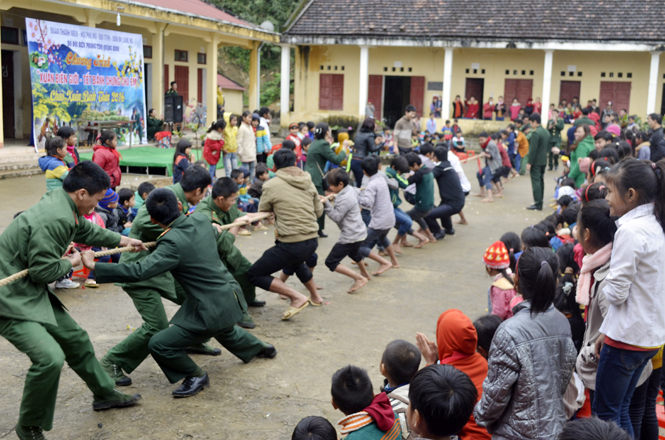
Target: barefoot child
(424, 201)
(376, 198)
(346, 213)
(492, 163)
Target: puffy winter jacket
(109, 160)
(530, 363)
(212, 148)
(56, 170)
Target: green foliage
(270, 91)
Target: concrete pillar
(653, 83)
(91, 16)
(285, 87)
(547, 85)
(212, 55)
(158, 70)
(447, 83)
(363, 88)
(254, 72)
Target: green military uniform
(538, 146)
(231, 256)
(584, 120)
(318, 154)
(554, 127)
(212, 305)
(171, 92)
(32, 318)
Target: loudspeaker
(173, 109)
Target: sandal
(92, 284)
(244, 232)
(293, 311)
(312, 303)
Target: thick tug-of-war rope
(24, 272)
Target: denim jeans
(252, 168)
(616, 378)
(230, 163)
(485, 178)
(403, 222)
(374, 237)
(213, 168)
(518, 162)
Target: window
(482, 71)
(563, 73)
(620, 74)
(507, 72)
(530, 72)
(181, 55)
(629, 75)
(579, 73)
(9, 35)
(147, 52)
(201, 58)
(467, 70)
(331, 92)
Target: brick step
(19, 165)
(20, 158)
(12, 174)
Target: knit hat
(614, 129)
(496, 256)
(110, 197)
(256, 117)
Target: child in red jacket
(106, 156)
(212, 148)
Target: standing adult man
(173, 91)
(554, 127)
(294, 200)
(657, 141)
(211, 307)
(538, 146)
(458, 108)
(404, 130)
(32, 318)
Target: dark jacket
(364, 144)
(211, 304)
(424, 180)
(110, 219)
(180, 164)
(450, 189)
(657, 145)
(154, 125)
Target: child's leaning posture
(531, 359)
(399, 363)
(502, 290)
(634, 328)
(424, 200)
(441, 400)
(346, 213)
(368, 417)
(53, 164)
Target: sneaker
(66, 283)
(92, 284)
(30, 432)
(115, 400)
(115, 372)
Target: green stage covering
(148, 157)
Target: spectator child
(457, 130)
(303, 157)
(424, 200)
(314, 428)
(140, 196)
(262, 174)
(441, 401)
(534, 237)
(486, 327)
(447, 132)
(181, 159)
(502, 290)
(456, 344)
(634, 327)
(53, 164)
(399, 363)
(263, 144)
(106, 156)
(531, 359)
(514, 109)
(368, 417)
(293, 137)
(103, 211)
(246, 139)
(126, 201)
(346, 213)
(310, 129)
(230, 143)
(214, 145)
(69, 135)
(106, 210)
(592, 429)
(514, 245)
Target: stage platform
(147, 160)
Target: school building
(181, 39)
(349, 52)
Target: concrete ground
(265, 399)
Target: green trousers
(522, 169)
(538, 184)
(48, 347)
(168, 348)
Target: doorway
(569, 90)
(397, 96)
(8, 94)
(616, 92)
(475, 88)
(518, 88)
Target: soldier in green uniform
(221, 208)
(147, 294)
(318, 154)
(212, 305)
(538, 145)
(554, 126)
(32, 318)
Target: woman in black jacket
(365, 144)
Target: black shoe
(534, 208)
(269, 352)
(450, 232)
(114, 400)
(440, 235)
(192, 386)
(256, 303)
(203, 349)
(322, 234)
(246, 323)
(549, 169)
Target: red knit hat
(496, 256)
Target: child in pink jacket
(502, 291)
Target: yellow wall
(233, 101)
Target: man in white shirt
(466, 185)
